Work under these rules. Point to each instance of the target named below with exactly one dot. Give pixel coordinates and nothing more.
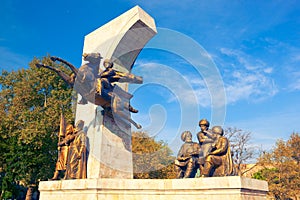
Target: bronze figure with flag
(65, 137)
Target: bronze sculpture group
(72, 153)
(211, 156)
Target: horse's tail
(72, 67)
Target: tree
(281, 168)
(240, 147)
(30, 106)
(151, 159)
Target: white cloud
(291, 69)
(285, 59)
(244, 60)
(268, 70)
(188, 88)
(295, 81)
(166, 76)
(249, 86)
(246, 78)
(296, 58)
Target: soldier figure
(109, 76)
(187, 158)
(219, 161)
(205, 137)
(77, 155)
(63, 148)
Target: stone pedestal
(109, 140)
(212, 188)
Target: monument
(104, 121)
(120, 40)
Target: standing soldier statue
(77, 155)
(65, 138)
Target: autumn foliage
(151, 159)
(282, 168)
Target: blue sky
(253, 46)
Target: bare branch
(240, 146)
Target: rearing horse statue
(97, 88)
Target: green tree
(281, 168)
(151, 159)
(30, 106)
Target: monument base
(231, 188)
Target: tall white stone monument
(120, 40)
